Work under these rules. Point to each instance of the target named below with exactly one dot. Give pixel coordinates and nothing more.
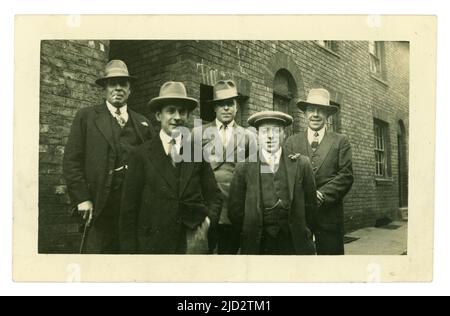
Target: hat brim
(101, 81)
(283, 122)
(331, 109)
(220, 100)
(157, 103)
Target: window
(381, 132)
(284, 93)
(375, 50)
(333, 122)
(331, 45)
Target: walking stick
(83, 239)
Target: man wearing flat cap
(273, 198)
(169, 200)
(228, 142)
(96, 158)
(331, 156)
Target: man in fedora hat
(273, 200)
(96, 157)
(331, 156)
(168, 202)
(228, 142)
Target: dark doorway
(402, 166)
(284, 97)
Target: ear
(158, 116)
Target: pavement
(391, 239)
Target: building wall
(69, 69)
(68, 73)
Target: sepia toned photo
(237, 152)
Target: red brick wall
(68, 73)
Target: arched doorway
(284, 96)
(402, 165)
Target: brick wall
(254, 64)
(68, 73)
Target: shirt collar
(321, 132)
(113, 109)
(274, 158)
(166, 139)
(219, 124)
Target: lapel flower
(145, 124)
(294, 157)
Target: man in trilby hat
(96, 157)
(272, 198)
(225, 143)
(331, 156)
(169, 200)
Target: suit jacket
(246, 209)
(332, 165)
(238, 149)
(158, 207)
(90, 154)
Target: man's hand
(86, 210)
(320, 198)
(202, 231)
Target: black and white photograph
(225, 149)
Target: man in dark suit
(331, 156)
(96, 158)
(224, 143)
(168, 202)
(273, 196)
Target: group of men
(250, 192)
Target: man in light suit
(96, 158)
(331, 156)
(225, 143)
(169, 200)
(273, 198)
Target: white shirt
(123, 111)
(166, 141)
(272, 159)
(230, 129)
(311, 135)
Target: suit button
(315, 169)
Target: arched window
(284, 97)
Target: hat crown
(319, 96)
(116, 68)
(173, 89)
(224, 89)
(270, 116)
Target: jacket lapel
(161, 162)
(291, 170)
(136, 124)
(323, 149)
(103, 123)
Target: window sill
(375, 77)
(384, 181)
(332, 52)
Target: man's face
(271, 136)
(316, 117)
(171, 117)
(117, 91)
(226, 111)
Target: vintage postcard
(275, 149)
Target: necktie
(315, 142)
(170, 150)
(224, 130)
(120, 118)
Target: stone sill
(374, 77)
(332, 52)
(384, 181)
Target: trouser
(225, 238)
(329, 243)
(280, 244)
(103, 235)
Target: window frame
(381, 149)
